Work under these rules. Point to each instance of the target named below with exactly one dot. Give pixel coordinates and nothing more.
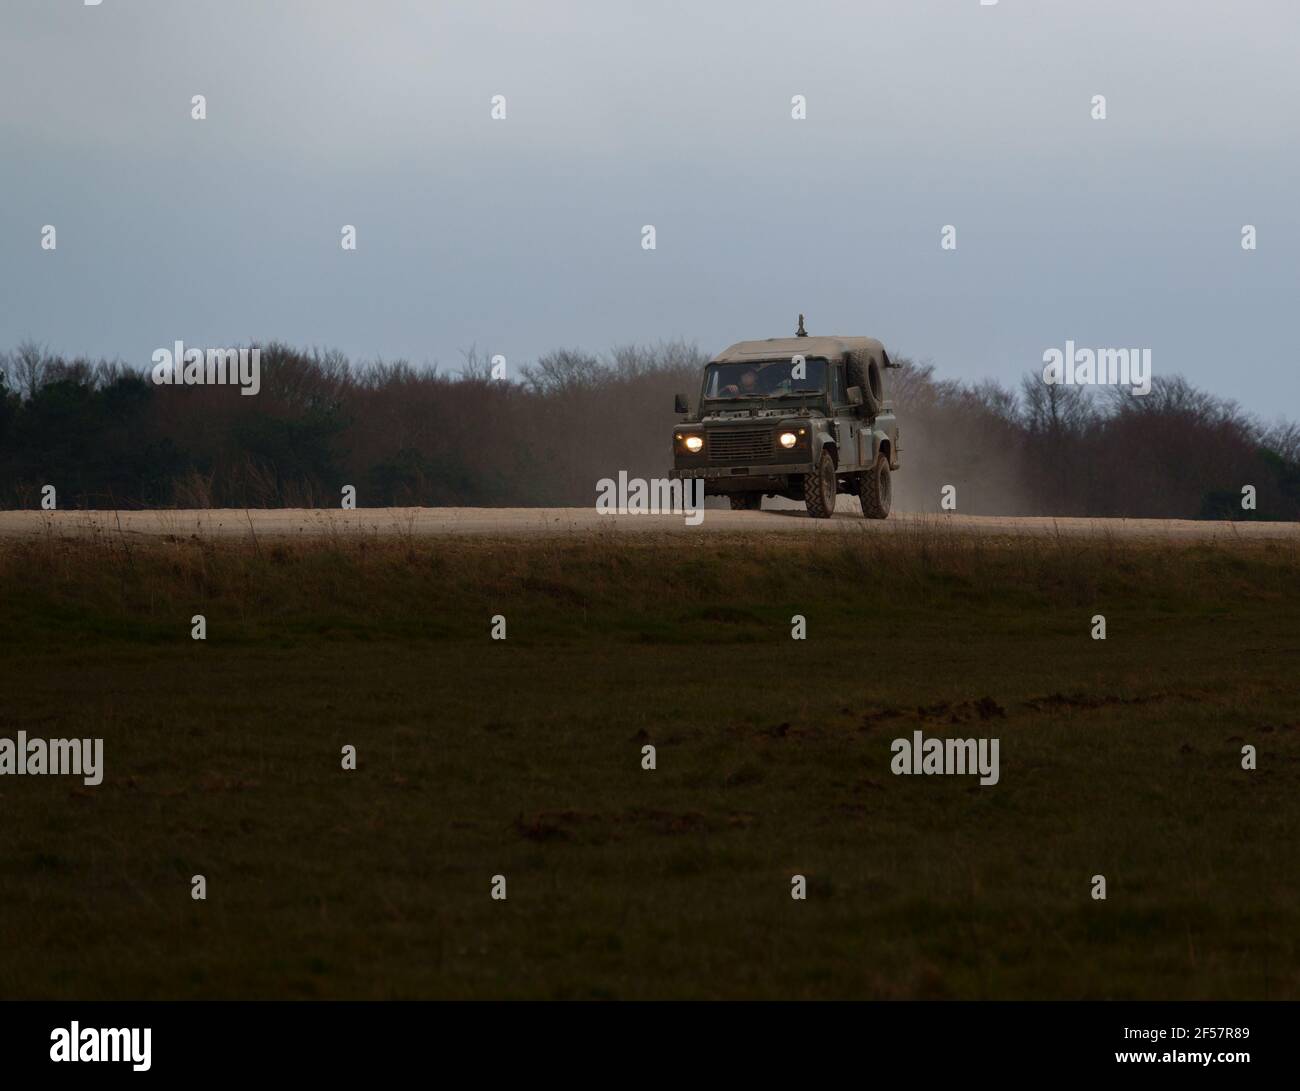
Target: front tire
(875, 490)
(819, 488)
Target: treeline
(106, 436)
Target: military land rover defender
(800, 417)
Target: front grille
(740, 445)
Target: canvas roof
(782, 348)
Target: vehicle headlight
(788, 439)
(694, 444)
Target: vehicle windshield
(764, 379)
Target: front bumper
(776, 469)
(726, 480)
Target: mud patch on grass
(552, 825)
(1055, 702)
(556, 591)
(591, 827)
(952, 712)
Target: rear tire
(819, 488)
(746, 501)
(875, 490)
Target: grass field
(522, 757)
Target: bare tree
(30, 362)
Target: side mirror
(855, 395)
(679, 404)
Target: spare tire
(864, 373)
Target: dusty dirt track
(538, 522)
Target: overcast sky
(524, 235)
